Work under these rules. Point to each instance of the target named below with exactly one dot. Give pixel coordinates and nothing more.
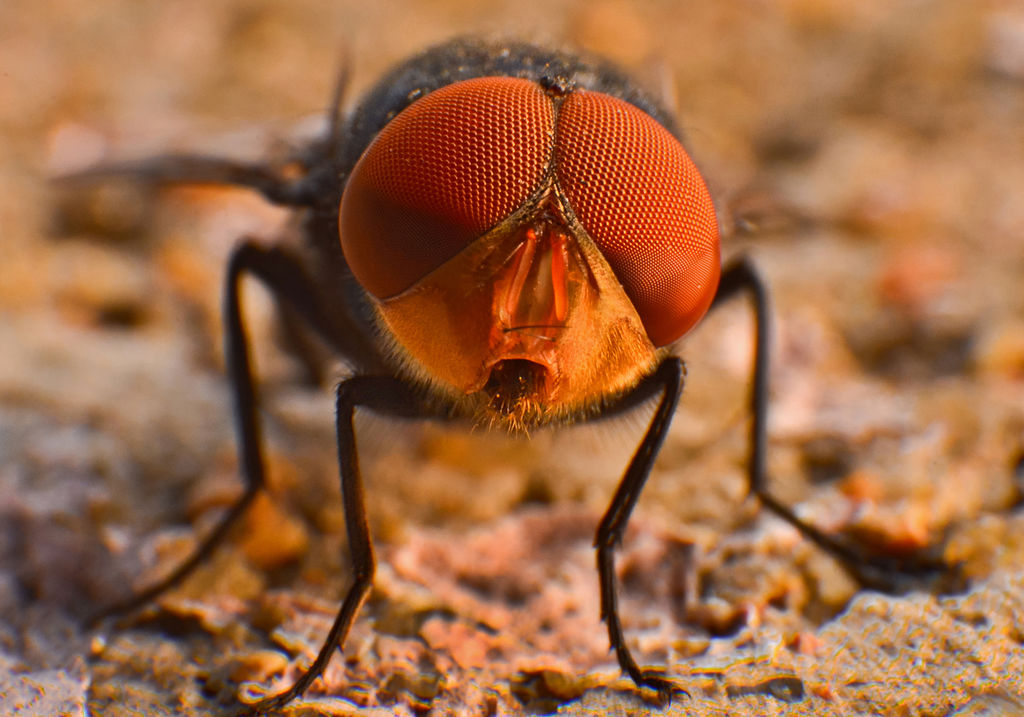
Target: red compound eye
(640, 197)
(444, 171)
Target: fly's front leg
(669, 379)
(384, 395)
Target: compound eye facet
(445, 170)
(641, 199)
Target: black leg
(878, 572)
(384, 395)
(198, 169)
(669, 379)
(317, 185)
(286, 279)
(335, 116)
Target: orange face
(529, 251)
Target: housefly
(498, 233)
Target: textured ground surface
(878, 148)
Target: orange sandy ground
(875, 148)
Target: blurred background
(869, 156)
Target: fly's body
(500, 233)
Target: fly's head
(529, 251)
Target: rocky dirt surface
(868, 156)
